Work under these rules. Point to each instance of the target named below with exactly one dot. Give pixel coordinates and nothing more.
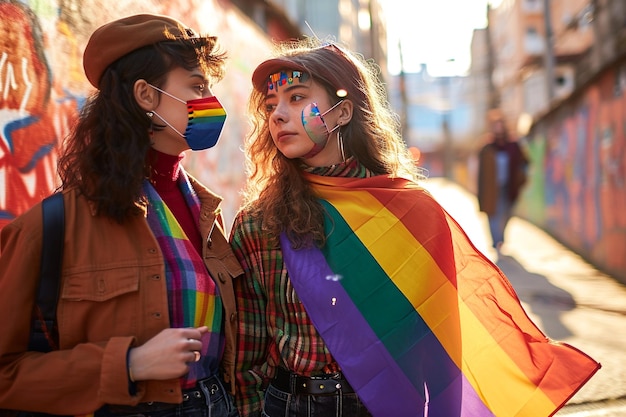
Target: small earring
(151, 129)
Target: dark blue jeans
(208, 399)
(499, 219)
(283, 404)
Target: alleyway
(570, 301)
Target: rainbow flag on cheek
(421, 323)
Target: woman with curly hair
(356, 281)
(146, 277)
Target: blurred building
(358, 24)
(270, 17)
(438, 116)
(481, 90)
(535, 47)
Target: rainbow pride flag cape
(422, 323)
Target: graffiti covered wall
(42, 88)
(32, 114)
(577, 190)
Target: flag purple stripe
(393, 391)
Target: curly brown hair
(276, 191)
(105, 154)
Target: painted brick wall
(577, 190)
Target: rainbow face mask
(206, 121)
(315, 127)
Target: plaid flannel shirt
(274, 328)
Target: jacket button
(157, 315)
(152, 250)
(233, 316)
(221, 277)
(156, 277)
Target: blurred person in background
(502, 172)
(146, 279)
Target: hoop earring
(340, 143)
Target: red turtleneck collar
(164, 169)
(164, 173)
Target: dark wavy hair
(105, 155)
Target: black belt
(205, 391)
(313, 385)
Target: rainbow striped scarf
(421, 323)
(193, 296)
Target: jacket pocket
(97, 305)
(100, 285)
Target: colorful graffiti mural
(577, 190)
(42, 88)
(31, 117)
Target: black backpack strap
(44, 334)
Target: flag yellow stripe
(482, 358)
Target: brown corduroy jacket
(113, 296)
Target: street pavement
(568, 299)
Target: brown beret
(120, 37)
